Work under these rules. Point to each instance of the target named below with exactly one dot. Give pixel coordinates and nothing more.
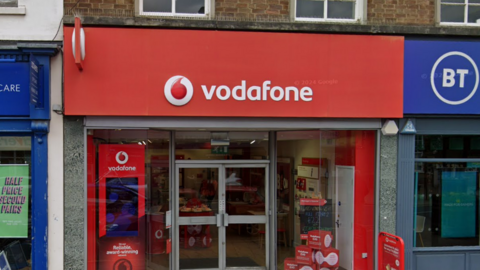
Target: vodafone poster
(121, 207)
(391, 252)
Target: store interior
(322, 178)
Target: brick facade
(401, 12)
(113, 8)
(254, 10)
(379, 12)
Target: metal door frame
(222, 219)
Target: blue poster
(458, 204)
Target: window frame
(465, 6)
(207, 15)
(359, 13)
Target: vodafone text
(240, 92)
(122, 168)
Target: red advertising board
(391, 252)
(168, 72)
(121, 204)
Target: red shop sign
(167, 72)
(391, 252)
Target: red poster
(391, 252)
(121, 204)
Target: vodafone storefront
(217, 150)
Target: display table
(191, 234)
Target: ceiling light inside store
(149, 141)
(144, 143)
(140, 143)
(252, 142)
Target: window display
(128, 190)
(15, 202)
(216, 213)
(328, 166)
(446, 191)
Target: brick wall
(114, 8)
(401, 12)
(255, 10)
(382, 12)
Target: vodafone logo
(178, 90)
(121, 157)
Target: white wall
(55, 170)
(40, 21)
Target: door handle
(338, 223)
(225, 220)
(219, 220)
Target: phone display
(122, 207)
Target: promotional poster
(14, 201)
(459, 206)
(121, 206)
(391, 251)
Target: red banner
(236, 74)
(391, 252)
(121, 204)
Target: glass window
(174, 7)
(128, 197)
(323, 178)
(460, 11)
(447, 146)
(446, 191)
(320, 10)
(206, 145)
(15, 201)
(446, 204)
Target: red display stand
(391, 252)
(157, 234)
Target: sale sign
(391, 252)
(14, 201)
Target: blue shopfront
(24, 126)
(438, 211)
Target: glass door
(221, 215)
(246, 235)
(198, 214)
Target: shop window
(446, 191)
(15, 202)
(185, 8)
(328, 10)
(325, 199)
(128, 198)
(206, 145)
(466, 12)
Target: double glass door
(221, 213)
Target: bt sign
(455, 78)
(441, 77)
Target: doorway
(220, 208)
(345, 180)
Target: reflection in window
(460, 11)
(315, 9)
(446, 204)
(204, 145)
(179, 7)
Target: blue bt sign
(441, 77)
